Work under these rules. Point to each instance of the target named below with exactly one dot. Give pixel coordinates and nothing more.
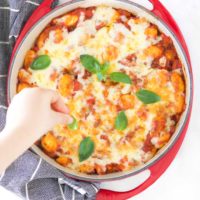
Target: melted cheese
(98, 119)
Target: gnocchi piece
(158, 125)
(22, 86)
(180, 103)
(45, 34)
(111, 53)
(124, 13)
(64, 85)
(105, 93)
(163, 139)
(42, 37)
(64, 161)
(177, 82)
(127, 101)
(115, 17)
(71, 20)
(24, 76)
(139, 20)
(170, 54)
(154, 51)
(49, 142)
(30, 56)
(142, 113)
(86, 169)
(164, 77)
(151, 31)
(58, 36)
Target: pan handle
(156, 171)
(163, 13)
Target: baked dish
(121, 78)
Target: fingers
(53, 99)
(60, 118)
(60, 106)
(57, 103)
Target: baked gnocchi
(121, 78)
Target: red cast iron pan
(158, 168)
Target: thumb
(60, 118)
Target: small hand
(37, 111)
(31, 114)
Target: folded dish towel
(29, 176)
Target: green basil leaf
(147, 97)
(121, 121)
(105, 67)
(120, 77)
(86, 148)
(73, 125)
(41, 62)
(90, 63)
(100, 76)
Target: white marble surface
(182, 179)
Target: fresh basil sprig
(121, 121)
(92, 65)
(73, 125)
(41, 62)
(102, 74)
(104, 67)
(86, 148)
(147, 96)
(101, 77)
(120, 77)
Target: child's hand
(36, 111)
(31, 114)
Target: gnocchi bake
(123, 82)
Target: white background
(182, 179)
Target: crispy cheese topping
(131, 45)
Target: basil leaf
(86, 148)
(101, 76)
(90, 63)
(147, 97)
(41, 62)
(120, 77)
(121, 121)
(104, 67)
(73, 125)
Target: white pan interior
(30, 39)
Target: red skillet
(160, 166)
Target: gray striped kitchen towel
(29, 176)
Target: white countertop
(182, 179)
